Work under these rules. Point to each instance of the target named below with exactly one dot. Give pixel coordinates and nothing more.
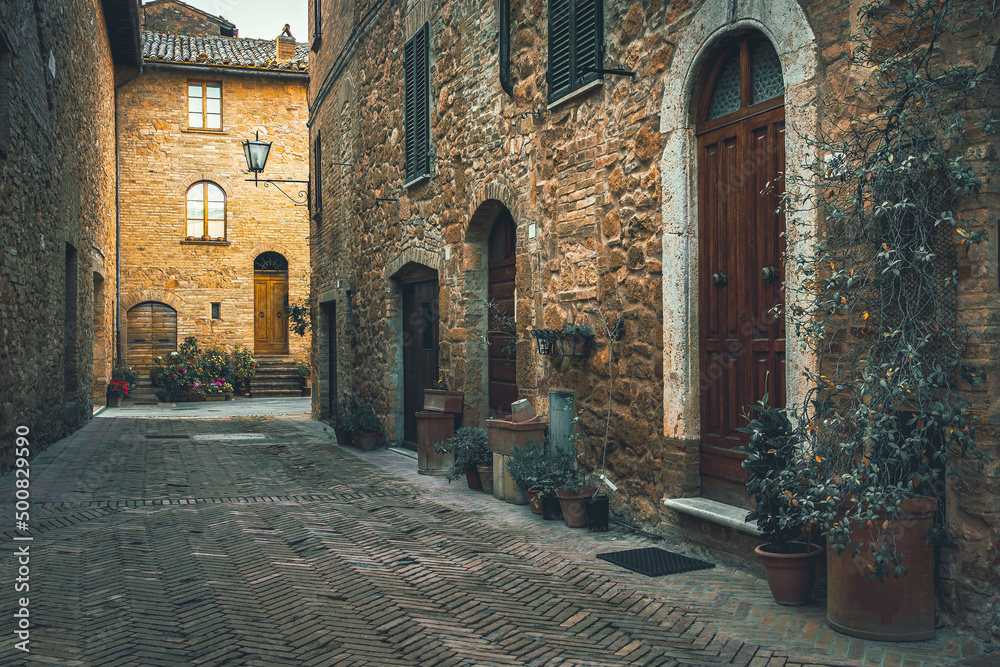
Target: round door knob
(769, 273)
(719, 279)
(262, 313)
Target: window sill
(579, 92)
(200, 242)
(198, 130)
(419, 180)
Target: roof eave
(230, 69)
(122, 21)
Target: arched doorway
(270, 301)
(502, 381)
(741, 150)
(151, 332)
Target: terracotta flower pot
(472, 478)
(114, 401)
(366, 442)
(895, 609)
(486, 478)
(343, 437)
(574, 513)
(790, 576)
(440, 400)
(535, 500)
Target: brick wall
(584, 184)
(57, 192)
(161, 159)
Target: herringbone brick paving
(293, 551)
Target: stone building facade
(179, 18)
(60, 67)
(575, 198)
(205, 251)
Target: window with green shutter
(418, 136)
(576, 42)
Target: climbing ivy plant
(874, 284)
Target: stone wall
(57, 213)
(178, 18)
(600, 187)
(161, 159)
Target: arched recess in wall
(150, 333)
(714, 27)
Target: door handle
(769, 273)
(720, 279)
(262, 313)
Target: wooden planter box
(432, 428)
(502, 435)
(439, 400)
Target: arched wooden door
(270, 301)
(151, 332)
(741, 149)
(502, 353)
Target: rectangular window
(216, 311)
(417, 73)
(317, 175)
(576, 42)
(204, 105)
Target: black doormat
(654, 562)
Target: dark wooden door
(420, 350)
(502, 351)
(742, 344)
(331, 356)
(270, 319)
(151, 333)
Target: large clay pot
(574, 512)
(895, 609)
(503, 436)
(791, 576)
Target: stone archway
(784, 23)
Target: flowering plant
(118, 388)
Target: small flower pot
(229, 397)
(366, 442)
(790, 576)
(486, 478)
(535, 500)
(343, 437)
(114, 401)
(574, 513)
(472, 478)
(551, 508)
(215, 397)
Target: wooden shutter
(576, 39)
(417, 125)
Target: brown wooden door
(420, 350)
(270, 319)
(151, 333)
(502, 356)
(331, 356)
(740, 250)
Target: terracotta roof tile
(237, 52)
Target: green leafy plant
(362, 420)
(243, 365)
(470, 448)
(299, 317)
(875, 298)
(773, 481)
(530, 467)
(303, 369)
(121, 371)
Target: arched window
(206, 212)
(746, 80)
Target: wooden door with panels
(270, 299)
(421, 323)
(502, 353)
(741, 157)
(151, 332)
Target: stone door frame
(784, 23)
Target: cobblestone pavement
(278, 547)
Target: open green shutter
(416, 56)
(560, 74)
(588, 39)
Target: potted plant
(571, 489)
(243, 365)
(305, 380)
(365, 427)
(117, 389)
(775, 484)
(529, 469)
(470, 451)
(441, 399)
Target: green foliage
(875, 291)
(530, 467)
(470, 447)
(121, 371)
(773, 482)
(304, 370)
(365, 421)
(243, 365)
(299, 317)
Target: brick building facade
(60, 66)
(205, 253)
(573, 197)
(179, 18)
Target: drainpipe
(505, 83)
(118, 223)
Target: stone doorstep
(714, 512)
